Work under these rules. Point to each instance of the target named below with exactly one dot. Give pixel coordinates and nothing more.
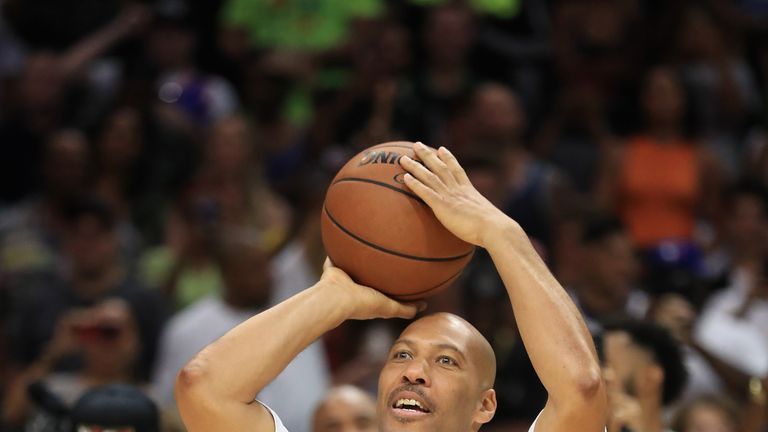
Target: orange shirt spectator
(660, 189)
(661, 180)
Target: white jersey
(278, 423)
(280, 428)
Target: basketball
(383, 235)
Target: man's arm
(216, 389)
(555, 336)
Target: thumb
(404, 310)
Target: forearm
(243, 361)
(89, 48)
(555, 336)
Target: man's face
(91, 246)
(435, 379)
(346, 409)
(611, 267)
(706, 418)
(65, 164)
(247, 277)
(626, 359)
(747, 224)
(110, 340)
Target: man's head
(65, 164)
(708, 413)
(438, 377)
(171, 42)
(345, 409)
(117, 407)
(643, 356)
(246, 272)
(498, 115)
(91, 242)
(608, 267)
(744, 216)
(449, 35)
(110, 339)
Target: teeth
(408, 402)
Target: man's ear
(486, 408)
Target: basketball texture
(382, 234)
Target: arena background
(163, 163)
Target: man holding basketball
(440, 372)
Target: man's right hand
(361, 302)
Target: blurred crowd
(163, 163)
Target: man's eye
(402, 355)
(445, 360)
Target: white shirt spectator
(295, 392)
(741, 341)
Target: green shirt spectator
(497, 8)
(309, 25)
(159, 266)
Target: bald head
(345, 409)
(438, 376)
(465, 337)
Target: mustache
(414, 388)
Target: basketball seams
(416, 295)
(389, 251)
(382, 184)
(409, 147)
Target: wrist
(326, 294)
(499, 230)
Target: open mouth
(410, 405)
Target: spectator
(577, 137)
(657, 181)
(294, 26)
(187, 97)
(723, 87)
(733, 324)
(606, 287)
(742, 227)
(92, 273)
(39, 105)
(706, 373)
(708, 414)
(31, 233)
(644, 372)
(117, 150)
(229, 190)
(115, 406)
(231, 179)
(116, 158)
(536, 193)
(248, 288)
(446, 78)
(280, 143)
(183, 268)
(111, 342)
(345, 409)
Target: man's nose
(416, 372)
